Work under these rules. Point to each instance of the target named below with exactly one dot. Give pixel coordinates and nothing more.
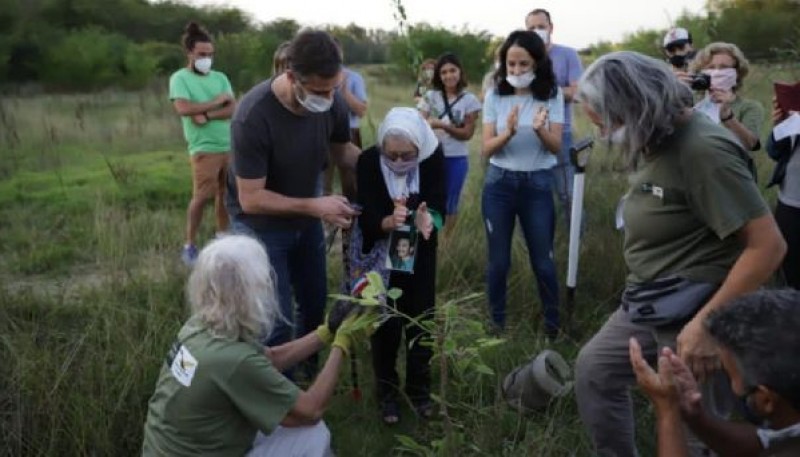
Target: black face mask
(747, 411)
(681, 61)
(678, 61)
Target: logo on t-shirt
(183, 365)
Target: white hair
(232, 288)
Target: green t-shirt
(685, 204)
(749, 113)
(215, 135)
(212, 395)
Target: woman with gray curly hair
(697, 234)
(220, 392)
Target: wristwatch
(726, 118)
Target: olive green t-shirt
(212, 395)
(215, 135)
(685, 204)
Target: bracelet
(726, 118)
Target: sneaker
(390, 412)
(189, 254)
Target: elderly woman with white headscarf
(401, 188)
(220, 392)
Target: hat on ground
(535, 384)
(677, 36)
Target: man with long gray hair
(220, 392)
(697, 235)
(759, 343)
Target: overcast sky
(577, 23)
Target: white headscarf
(409, 123)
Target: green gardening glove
(338, 313)
(356, 328)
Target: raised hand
(778, 114)
(512, 120)
(424, 221)
(689, 396)
(540, 118)
(658, 386)
(398, 217)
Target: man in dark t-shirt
(281, 136)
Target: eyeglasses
(404, 156)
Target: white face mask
(616, 137)
(543, 34)
(521, 81)
(314, 103)
(203, 65)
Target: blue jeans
(298, 258)
(527, 195)
(455, 173)
(564, 174)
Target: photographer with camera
(452, 113)
(726, 68)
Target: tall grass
(92, 204)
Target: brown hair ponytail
(193, 34)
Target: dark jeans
(508, 195)
(298, 258)
(564, 175)
(788, 219)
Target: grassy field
(93, 191)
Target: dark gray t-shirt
(290, 150)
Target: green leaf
(394, 293)
(484, 369)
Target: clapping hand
(398, 217)
(659, 386)
(512, 120)
(540, 118)
(424, 221)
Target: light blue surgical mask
(400, 167)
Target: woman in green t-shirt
(220, 392)
(697, 235)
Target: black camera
(700, 81)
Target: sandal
(390, 413)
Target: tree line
(79, 45)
